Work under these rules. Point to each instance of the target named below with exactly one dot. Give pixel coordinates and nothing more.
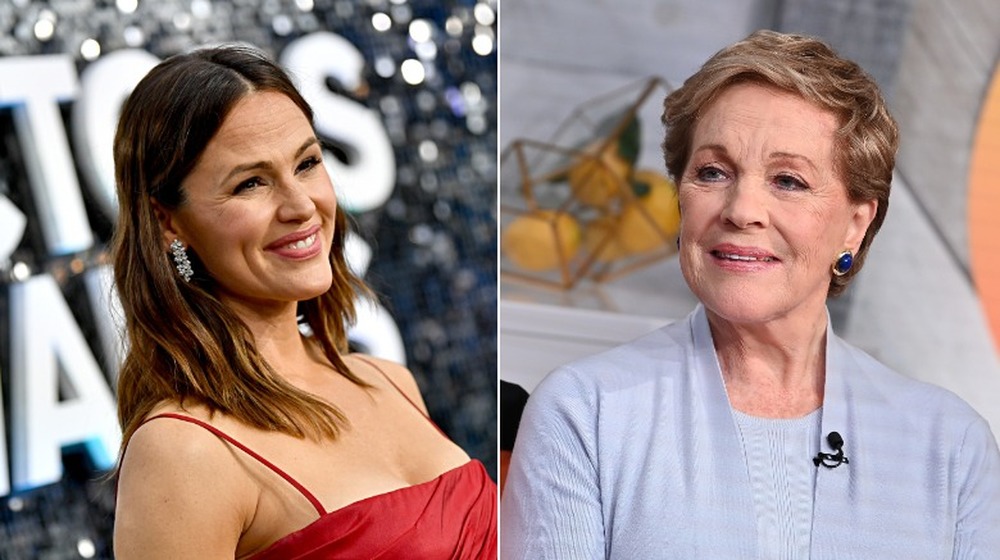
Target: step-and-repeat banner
(405, 96)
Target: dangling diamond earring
(844, 262)
(181, 259)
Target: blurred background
(416, 168)
(926, 302)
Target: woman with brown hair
(749, 429)
(244, 437)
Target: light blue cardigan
(634, 454)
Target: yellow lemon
(653, 218)
(599, 177)
(600, 237)
(541, 240)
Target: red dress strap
(401, 392)
(219, 433)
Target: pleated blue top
(635, 454)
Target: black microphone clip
(832, 460)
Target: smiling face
(259, 206)
(764, 210)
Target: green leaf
(641, 188)
(628, 142)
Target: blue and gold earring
(843, 264)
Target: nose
(296, 203)
(745, 206)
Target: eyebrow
(787, 155)
(771, 156)
(267, 164)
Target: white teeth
(302, 243)
(745, 258)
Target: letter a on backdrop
(49, 357)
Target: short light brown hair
(866, 140)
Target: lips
(302, 244)
(297, 240)
(738, 257)
(741, 254)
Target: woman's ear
(862, 217)
(168, 226)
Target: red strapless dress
(453, 516)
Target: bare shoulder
(181, 494)
(398, 373)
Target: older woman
(246, 438)
(749, 429)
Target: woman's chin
(740, 301)
(304, 288)
(749, 307)
(315, 290)
(741, 311)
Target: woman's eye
(308, 163)
(251, 183)
(789, 183)
(711, 173)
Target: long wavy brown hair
(183, 343)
